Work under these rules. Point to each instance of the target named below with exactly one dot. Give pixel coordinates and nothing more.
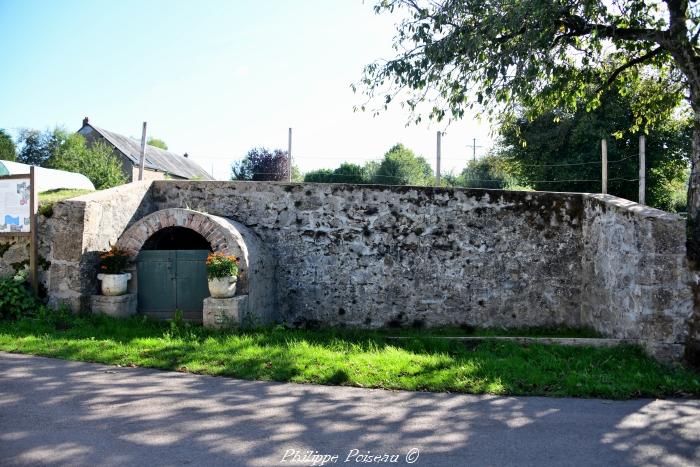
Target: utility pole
(604, 164)
(289, 155)
(437, 162)
(474, 149)
(143, 151)
(642, 169)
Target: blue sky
(211, 78)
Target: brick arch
(222, 234)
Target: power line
(576, 163)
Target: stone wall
(80, 229)
(14, 254)
(370, 256)
(377, 256)
(637, 283)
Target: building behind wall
(159, 164)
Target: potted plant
(222, 272)
(112, 266)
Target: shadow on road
(58, 412)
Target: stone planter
(222, 287)
(114, 284)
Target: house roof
(156, 158)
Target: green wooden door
(170, 280)
(191, 280)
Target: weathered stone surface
(225, 313)
(120, 306)
(405, 256)
(637, 283)
(375, 256)
(82, 227)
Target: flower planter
(222, 287)
(114, 284)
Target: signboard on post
(18, 207)
(15, 204)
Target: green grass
(48, 198)
(355, 358)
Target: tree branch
(636, 61)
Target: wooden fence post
(33, 209)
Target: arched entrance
(171, 273)
(169, 248)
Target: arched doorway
(171, 273)
(173, 236)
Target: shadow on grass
(355, 358)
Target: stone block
(120, 306)
(224, 313)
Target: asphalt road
(54, 412)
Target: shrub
(113, 261)
(16, 300)
(401, 166)
(319, 176)
(70, 151)
(488, 172)
(221, 265)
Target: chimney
(86, 121)
(186, 155)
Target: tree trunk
(693, 225)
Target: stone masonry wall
(376, 256)
(80, 229)
(370, 256)
(637, 283)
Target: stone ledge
(224, 313)
(120, 306)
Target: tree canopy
(158, 143)
(8, 152)
(346, 173)
(488, 172)
(262, 164)
(96, 161)
(560, 151)
(59, 149)
(401, 166)
(36, 147)
(494, 56)
(458, 54)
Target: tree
(261, 164)
(346, 173)
(319, 176)
(97, 162)
(560, 151)
(487, 172)
(158, 143)
(401, 166)
(8, 152)
(460, 53)
(36, 146)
